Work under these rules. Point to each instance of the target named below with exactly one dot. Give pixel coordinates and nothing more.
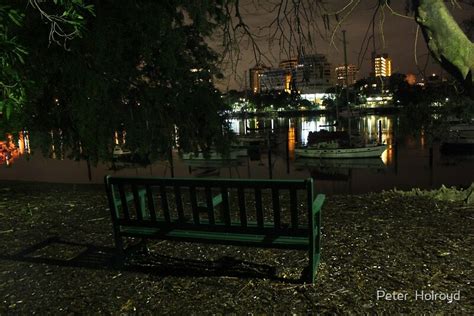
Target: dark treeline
(141, 66)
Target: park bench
(221, 211)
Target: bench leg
(119, 257)
(144, 247)
(313, 263)
(315, 250)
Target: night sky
(399, 34)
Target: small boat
(213, 155)
(251, 139)
(329, 125)
(334, 150)
(460, 138)
(119, 151)
(350, 113)
(465, 130)
(324, 144)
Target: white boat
(213, 155)
(464, 130)
(215, 164)
(119, 151)
(251, 139)
(334, 150)
(460, 138)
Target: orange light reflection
(291, 142)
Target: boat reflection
(338, 169)
(354, 163)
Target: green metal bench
(221, 211)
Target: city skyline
(398, 41)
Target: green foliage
(66, 25)
(12, 90)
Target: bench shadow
(90, 256)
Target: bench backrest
(193, 203)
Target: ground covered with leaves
(56, 256)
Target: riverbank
(379, 252)
(384, 110)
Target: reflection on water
(9, 151)
(291, 141)
(370, 129)
(120, 138)
(408, 161)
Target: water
(407, 162)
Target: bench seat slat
(219, 226)
(215, 237)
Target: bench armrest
(318, 203)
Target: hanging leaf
(15, 17)
(8, 110)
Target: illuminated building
(274, 79)
(382, 65)
(289, 64)
(289, 67)
(279, 79)
(341, 74)
(313, 74)
(9, 152)
(255, 75)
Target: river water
(411, 160)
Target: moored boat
(336, 151)
(119, 151)
(213, 155)
(337, 145)
(460, 138)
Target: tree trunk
(446, 41)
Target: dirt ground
(382, 252)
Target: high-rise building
(289, 64)
(382, 65)
(308, 74)
(341, 74)
(313, 74)
(255, 75)
(279, 79)
(274, 79)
